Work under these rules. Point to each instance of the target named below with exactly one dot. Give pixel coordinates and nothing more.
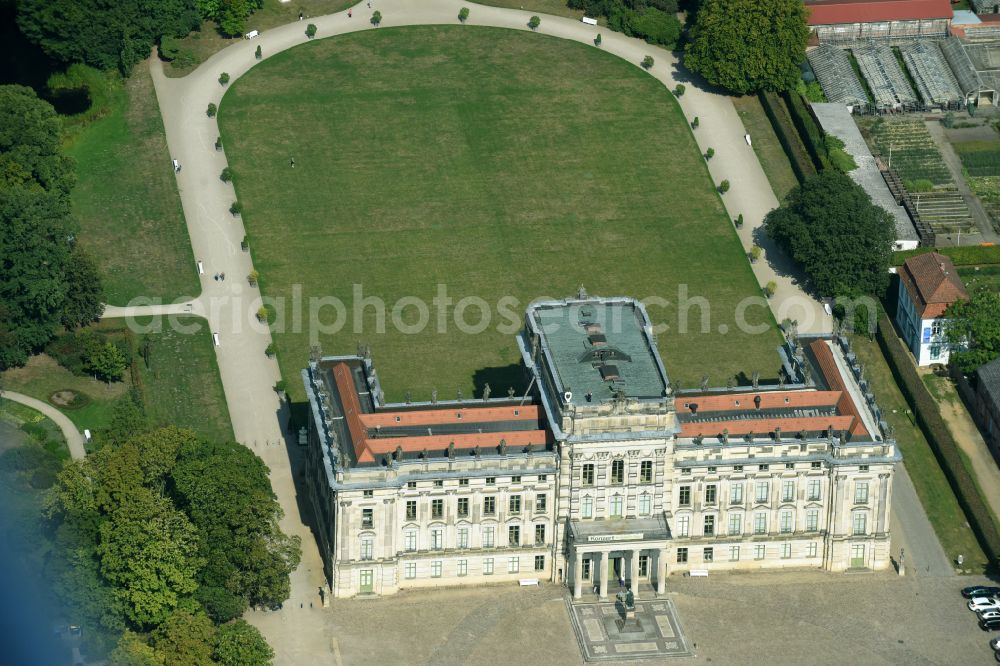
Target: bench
(589, 21)
(527, 581)
(251, 34)
(698, 572)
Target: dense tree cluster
(104, 34)
(230, 15)
(652, 20)
(973, 326)
(842, 240)
(164, 536)
(748, 45)
(45, 279)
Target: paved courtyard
(605, 635)
(795, 617)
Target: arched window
(618, 471)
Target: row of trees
(164, 540)
(119, 34)
(46, 280)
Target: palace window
(488, 534)
(463, 537)
(488, 566)
(437, 538)
(514, 505)
(683, 525)
(709, 525)
(539, 563)
(811, 549)
(515, 479)
(814, 490)
(367, 519)
(708, 555)
(539, 535)
(763, 468)
(817, 464)
(367, 548)
(618, 471)
(760, 523)
(734, 553)
(587, 478)
(786, 550)
(758, 551)
(410, 570)
(617, 506)
(463, 482)
(646, 471)
(463, 507)
(463, 567)
(514, 535)
(437, 508)
(586, 569)
(861, 492)
(438, 483)
(860, 522)
(490, 505)
(735, 524)
(789, 465)
(684, 496)
(436, 569)
(736, 493)
(682, 555)
(812, 520)
(369, 494)
(710, 493)
(643, 566)
(787, 491)
(410, 540)
(787, 521)
(645, 504)
(542, 478)
(491, 480)
(587, 507)
(513, 565)
(411, 509)
(411, 485)
(763, 490)
(540, 502)
(737, 468)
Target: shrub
(739, 221)
(723, 187)
(463, 14)
(928, 417)
(679, 90)
(223, 78)
(840, 158)
(252, 277)
(695, 123)
(376, 18)
(226, 175)
(652, 25)
(647, 62)
(534, 22)
(710, 153)
(597, 40)
(311, 30)
(271, 350)
(280, 386)
(236, 208)
(258, 53)
(948, 120)
(218, 143)
(170, 48)
(770, 288)
(245, 244)
(755, 253)
(212, 109)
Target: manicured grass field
(497, 163)
(182, 386)
(126, 199)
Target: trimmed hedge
(787, 135)
(971, 255)
(928, 417)
(810, 132)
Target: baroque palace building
(602, 469)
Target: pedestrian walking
(300, 16)
(348, 13)
(216, 277)
(222, 276)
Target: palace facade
(602, 469)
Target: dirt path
(74, 440)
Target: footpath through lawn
(497, 165)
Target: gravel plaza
(790, 617)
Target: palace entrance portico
(639, 545)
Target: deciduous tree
(842, 240)
(748, 45)
(238, 643)
(973, 326)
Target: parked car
(980, 591)
(983, 603)
(995, 643)
(988, 614)
(990, 625)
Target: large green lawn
(498, 163)
(126, 199)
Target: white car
(989, 615)
(982, 603)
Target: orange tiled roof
(768, 400)
(845, 405)
(932, 283)
(764, 426)
(450, 414)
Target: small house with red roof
(852, 20)
(928, 284)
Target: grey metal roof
(989, 379)
(837, 120)
(597, 347)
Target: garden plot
(908, 148)
(981, 160)
(944, 211)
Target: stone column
(661, 571)
(604, 576)
(635, 574)
(578, 575)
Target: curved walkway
(248, 375)
(74, 440)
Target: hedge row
(810, 132)
(774, 108)
(942, 443)
(970, 255)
